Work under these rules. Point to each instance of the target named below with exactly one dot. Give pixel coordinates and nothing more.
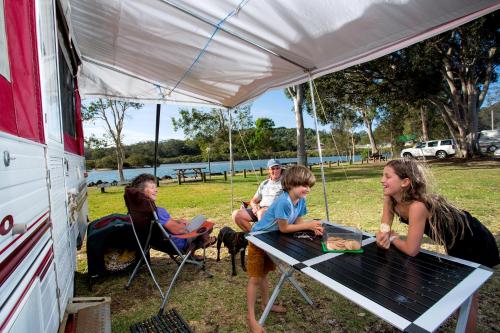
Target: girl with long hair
(406, 194)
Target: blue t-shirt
(164, 217)
(281, 208)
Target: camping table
(183, 172)
(414, 294)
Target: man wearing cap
(268, 190)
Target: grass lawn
(218, 304)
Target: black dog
(235, 242)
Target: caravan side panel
(42, 187)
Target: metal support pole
(157, 131)
(311, 90)
(231, 162)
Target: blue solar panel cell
(409, 286)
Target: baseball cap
(272, 162)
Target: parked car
(437, 148)
(489, 140)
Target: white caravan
(43, 192)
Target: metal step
(88, 314)
(169, 322)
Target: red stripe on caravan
(29, 228)
(13, 260)
(41, 270)
(44, 266)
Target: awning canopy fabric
(142, 50)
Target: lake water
(168, 169)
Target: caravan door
(49, 55)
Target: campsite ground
(218, 304)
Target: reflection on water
(215, 167)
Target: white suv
(437, 148)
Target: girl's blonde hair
(442, 212)
(297, 175)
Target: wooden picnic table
(197, 172)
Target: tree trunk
(353, 147)
(368, 124)
(297, 93)
(120, 157)
(425, 122)
(465, 99)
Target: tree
(347, 98)
(263, 136)
(296, 93)
(211, 129)
(453, 71)
(468, 56)
(113, 114)
(93, 146)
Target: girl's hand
(383, 239)
(393, 235)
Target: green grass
(218, 304)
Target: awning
(142, 50)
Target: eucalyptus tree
(210, 128)
(296, 94)
(466, 58)
(347, 99)
(113, 113)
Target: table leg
(300, 290)
(276, 291)
(286, 274)
(464, 315)
(295, 283)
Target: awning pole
(323, 180)
(157, 131)
(231, 163)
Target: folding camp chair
(151, 234)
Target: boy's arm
(300, 225)
(300, 220)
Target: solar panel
(414, 294)
(409, 286)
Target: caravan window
(48, 69)
(67, 90)
(4, 58)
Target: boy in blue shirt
(285, 214)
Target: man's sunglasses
(275, 168)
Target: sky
(140, 125)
